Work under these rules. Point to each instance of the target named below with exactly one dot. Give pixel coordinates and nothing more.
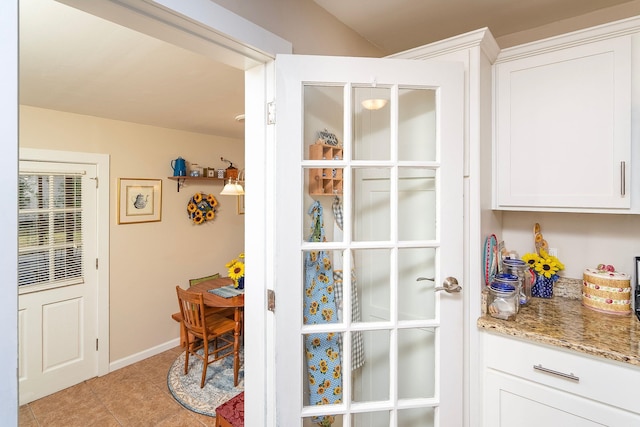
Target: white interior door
(386, 348)
(58, 292)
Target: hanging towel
(324, 366)
(357, 342)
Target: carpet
(218, 385)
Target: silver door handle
(425, 278)
(450, 284)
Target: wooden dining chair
(224, 311)
(215, 334)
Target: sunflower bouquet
(235, 268)
(545, 267)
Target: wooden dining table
(235, 303)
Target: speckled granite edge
(564, 322)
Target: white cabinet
(563, 123)
(529, 385)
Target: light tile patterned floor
(136, 395)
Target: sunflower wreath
(202, 208)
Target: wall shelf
(325, 181)
(182, 179)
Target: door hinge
(96, 263)
(271, 113)
(96, 344)
(96, 179)
(271, 300)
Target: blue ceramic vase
(543, 287)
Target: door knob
(450, 284)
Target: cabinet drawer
(591, 377)
(511, 401)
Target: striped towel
(227, 291)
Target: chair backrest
(203, 279)
(192, 309)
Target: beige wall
(311, 29)
(149, 260)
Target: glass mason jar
(510, 279)
(502, 301)
(521, 269)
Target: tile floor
(136, 395)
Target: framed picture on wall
(139, 200)
(240, 205)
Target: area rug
(218, 385)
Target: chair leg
(236, 356)
(187, 349)
(205, 362)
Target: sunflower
(531, 259)
(545, 255)
(212, 200)
(546, 267)
(197, 197)
(198, 219)
(191, 207)
(210, 214)
(236, 271)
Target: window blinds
(50, 228)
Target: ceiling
(75, 62)
(398, 25)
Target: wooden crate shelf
(325, 181)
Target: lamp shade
(232, 189)
(374, 104)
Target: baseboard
(137, 357)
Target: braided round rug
(218, 385)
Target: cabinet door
(511, 401)
(563, 128)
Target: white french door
(383, 348)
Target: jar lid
(514, 262)
(502, 287)
(505, 277)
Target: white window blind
(50, 228)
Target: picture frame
(240, 204)
(139, 200)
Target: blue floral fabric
(324, 365)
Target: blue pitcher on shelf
(179, 167)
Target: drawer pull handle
(558, 373)
(623, 178)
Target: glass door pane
(371, 223)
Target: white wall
(583, 240)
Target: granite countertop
(563, 321)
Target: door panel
(58, 296)
(368, 183)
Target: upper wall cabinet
(563, 124)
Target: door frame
(9, 217)
(102, 162)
